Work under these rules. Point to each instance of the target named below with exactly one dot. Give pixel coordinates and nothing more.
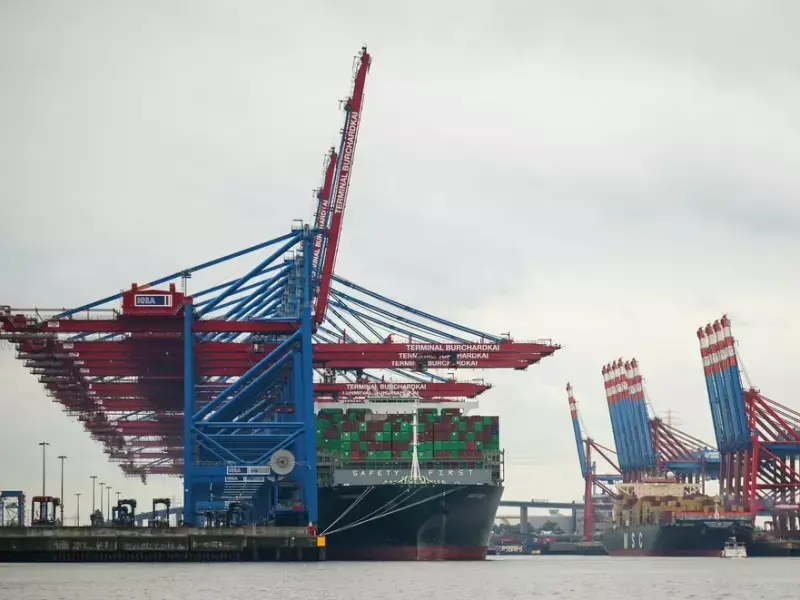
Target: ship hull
(408, 522)
(698, 538)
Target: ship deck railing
(701, 516)
(406, 464)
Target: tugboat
(733, 549)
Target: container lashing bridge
(219, 385)
(758, 438)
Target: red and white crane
(334, 213)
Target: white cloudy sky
(610, 176)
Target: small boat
(733, 549)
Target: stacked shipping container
(358, 435)
(650, 510)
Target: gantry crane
(592, 481)
(217, 383)
(648, 446)
(758, 438)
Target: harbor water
(506, 578)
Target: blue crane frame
(633, 428)
(228, 427)
(227, 432)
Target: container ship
(667, 518)
(404, 481)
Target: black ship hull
(408, 522)
(690, 538)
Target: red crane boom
(347, 152)
(323, 209)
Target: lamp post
(78, 506)
(94, 485)
(108, 493)
(44, 446)
(102, 485)
(62, 458)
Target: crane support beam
(455, 389)
(13, 331)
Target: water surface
(498, 578)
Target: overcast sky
(609, 176)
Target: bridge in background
(522, 505)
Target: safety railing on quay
(86, 531)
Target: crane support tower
(219, 385)
(758, 438)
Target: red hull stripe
(409, 553)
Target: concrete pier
(87, 544)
